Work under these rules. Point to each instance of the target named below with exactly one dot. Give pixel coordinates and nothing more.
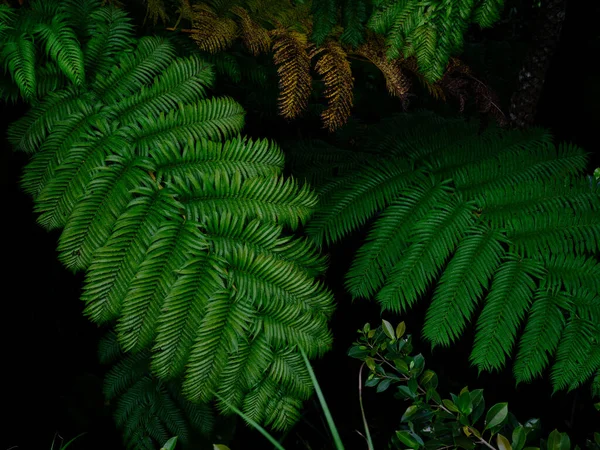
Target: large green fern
(502, 216)
(181, 225)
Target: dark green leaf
(496, 415)
(383, 385)
(518, 438)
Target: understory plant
(434, 420)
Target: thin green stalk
(334, 432)
(362, 410)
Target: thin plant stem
(362, 410)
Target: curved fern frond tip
(182, 226)
(500, 219)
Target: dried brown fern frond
(255, 37)
(155, 10)
(211, 32)
(334, 67)
(398, 84)
(291, 56)
(436, 90)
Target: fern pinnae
(571, 272)
(90, 224)
(239, 154)
(509, 299)
(173, 244)
(436, 236)
(542, 334)
(19, 58)
(387, 239)
(114, 265)
(577, 350)
(182, 311)
(462, 284)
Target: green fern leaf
(510, 296)
(324, 13)
(354, 16)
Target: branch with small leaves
(433, 422)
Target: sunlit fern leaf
(325, 17)
(173, 244)
(240, 154)
(487, 12)
(199, 280)
(213, 118)
(135, 69)
(107, 196)
(211, 32)
(578, 354)
(509, 299)
(462, 284)
(542, 334)
(111, 34)
(389, 236)
(184, 82)
(334, 67)
(28, 133)
(434, 238)
(271, 199)
(115, 264)
(255, 37)
(290, 54)
(354, 16)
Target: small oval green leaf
(496, 415)
(388, 329)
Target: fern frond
(354, 16)
(93, 217)
(255, 37)
(435, 237)
(509, 299)
(487, 12)
(155, 10)
(389, 235)
(173, 244)
(211, 32)
(571, 272)
(62, 45)
(462, 284)
(324, 15)
(114, 265)
(542, 334)
(293, 67)
(111, 34)
(334, 67)
(19, 59)
(578, 354)
(363, 195)
(270, 199)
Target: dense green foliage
(431, 421)
(181, 225)
(494, 215)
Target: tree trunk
(545, 38)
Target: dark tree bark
(545, 38)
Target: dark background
(52, 380)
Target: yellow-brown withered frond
(290, 54)
(398, 84)
(255, 37)
(155, 10)
(211, 32)
(334, 67)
